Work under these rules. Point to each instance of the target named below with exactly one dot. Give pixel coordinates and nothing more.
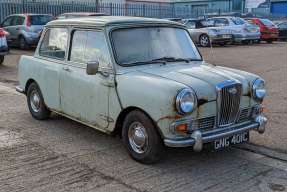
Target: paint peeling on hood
(202, 77)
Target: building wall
(225, 5)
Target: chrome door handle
(66, 68)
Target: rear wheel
(141, 138)
(204, 40)
(269, 41)
(23, 44)
(1, 59)
(36, 103)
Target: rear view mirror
(92, 67)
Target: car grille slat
(229, 97)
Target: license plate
(232, 140)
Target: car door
(51, 56)
(85, 97)
(283, 30)
(15, 29)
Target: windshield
(267, 22)
(40, 19)
(147, 45)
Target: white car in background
(3, 45)
(242, 31)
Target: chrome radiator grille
(245, 115)
(206, 123)
(229, 96)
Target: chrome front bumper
(198, 138)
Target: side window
(54, 44)
(78, 47)
(7, 22)
(97, 48)
(18, 21)
(89, 46)
(221, 22)
(191, 24)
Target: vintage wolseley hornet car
(143, 79)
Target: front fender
(154, 95)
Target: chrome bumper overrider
(19, 89)
(198, 138)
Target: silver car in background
(242, 31)
(204, 35)
(25, 29)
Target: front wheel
(141, 138)
(36, 103)
(1, 59)
(204, 40)
(23, 44)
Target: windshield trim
(145, 26)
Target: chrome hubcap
(138, 138)
(204, 41)
(35, 101)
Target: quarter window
(89, 46)
(54, 44)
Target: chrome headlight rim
(178, 102)
(258, 89)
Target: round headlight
(186, 101)
(258, 89)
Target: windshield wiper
(163, 60)
(174, 59)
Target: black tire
(1, 59)
(22, 43)
(222, 44)
(39, 111)
(246, 42)
(269, 41)
(204, 40)
(152, 149)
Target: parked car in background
(3, 45)
(269, 31)
(143, 79)
(282, 28)
(79, 14)
(204, 35)
(25, 29)
(242, 31)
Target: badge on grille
(232, 91)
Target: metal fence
(56, 7)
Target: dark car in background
(269, 31)
(79, 14)
(3, 45)
(25, 29)
(282, 28)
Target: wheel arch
(124, 113)
(28, 83)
